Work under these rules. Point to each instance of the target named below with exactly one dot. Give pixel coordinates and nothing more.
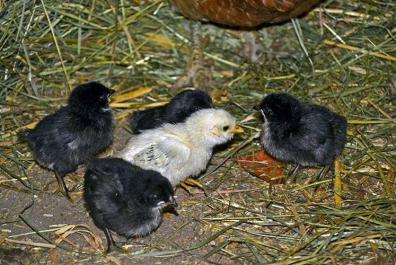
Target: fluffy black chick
(303, 134)
(75, 133)
(124, 198)
(177, 110)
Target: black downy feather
(176, 111)
(75, 133)
(303, 134)
(124, 198)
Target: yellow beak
(237, 130)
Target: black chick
(177, 110)
(75, 133)
(303, 134)
(124, 198)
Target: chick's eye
(225, 128)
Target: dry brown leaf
(263, 166)
(94, 241)
(81, 229)
(63, 229)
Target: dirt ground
(188, 238)
(50, 211)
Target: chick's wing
(314, 132)
(151, 156)
(55, 134)
(167, 153)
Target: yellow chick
(181, 150)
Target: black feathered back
(121, 196)
(305, 134)
(177, 110)
(74, 133)
(186, 103)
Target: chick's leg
(293, 173)
(294, 170)
(251, 46)
(111, 244)
(62, 186)
(323, 172)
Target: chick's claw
(193, 182)
(185, 187)
(323, 172)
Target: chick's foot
(111, 244)
(191, 182)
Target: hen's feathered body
(244, 13)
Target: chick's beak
(237, 130)
(172, 202)
(110, 94)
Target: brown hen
(245, 14)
